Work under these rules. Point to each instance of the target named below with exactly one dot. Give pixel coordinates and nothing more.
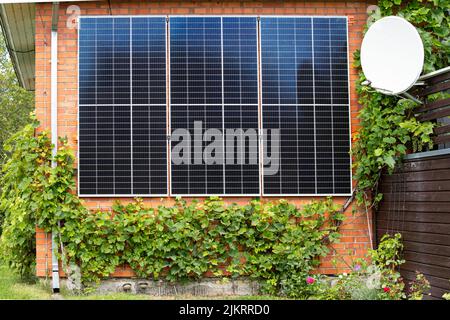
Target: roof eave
(19, 38)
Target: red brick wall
(355, 240)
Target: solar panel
(305, 96)
(214, 85)
(122, 121)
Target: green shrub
(274, 241)
(34, 194)
(388, 253)
(375, 278)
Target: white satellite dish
(392, 55)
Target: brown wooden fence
(436, 109)
(416, 199)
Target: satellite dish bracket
(410, 96)
(388, 92)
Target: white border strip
(349, 109)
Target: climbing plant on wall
(34, 193)
(388, 127)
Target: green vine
(388, 126)
(34, 194)
(275, 241)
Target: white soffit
(17, 21)
(17, 18)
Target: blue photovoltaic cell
(149, 60)
(104, 61)
(305, 96)
(214, 82)
(240, 61)
(195, 60)
(121, 131)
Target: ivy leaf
(389, 160)
(378, 152)
(389, 140)
(401, 148)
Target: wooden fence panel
(416, 203)
(436, 108)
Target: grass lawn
(12, 287)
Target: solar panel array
(214, 89)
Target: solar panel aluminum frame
(258, 86)
(168, 118)
(81, 195)
(349, 109)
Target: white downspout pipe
(54, 129)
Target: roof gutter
(4, 23)
(54, 129)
